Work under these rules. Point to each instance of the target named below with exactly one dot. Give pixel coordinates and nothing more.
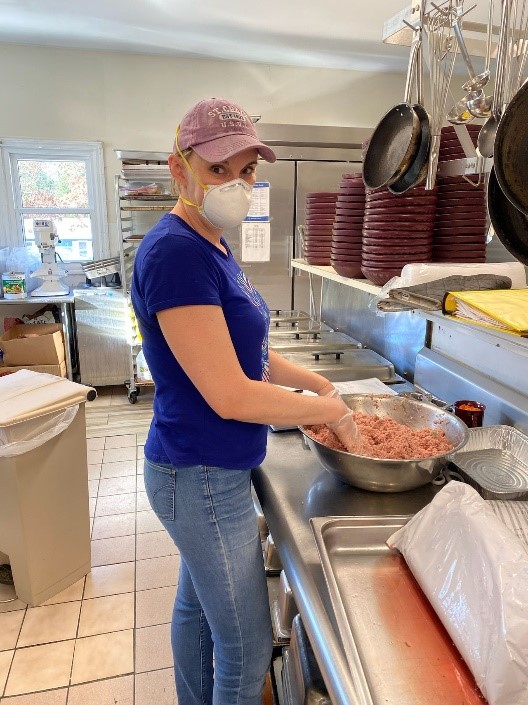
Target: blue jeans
(221, 605)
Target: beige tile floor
(106, 639)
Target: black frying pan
(511, 150)
(394, 143)
(417, 170)
(510, 225)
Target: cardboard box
(33, 344)
(57, 370)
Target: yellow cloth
(501, 309)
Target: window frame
(11, 150)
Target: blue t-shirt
(175, 266)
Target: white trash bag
(27, 435)
(474, 572)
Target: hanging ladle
(486, 137)
(476, 82)
(481, 107)
(460, 113)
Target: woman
(204, 330)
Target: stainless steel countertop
(292, 487)
(66, 299)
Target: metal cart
(142, 194)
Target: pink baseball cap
(217, 129)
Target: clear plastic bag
(474, 572)
(28, 435)
(143, 372)
(382, 296)
(25, 260)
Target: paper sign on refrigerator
(259, 209)
(255, 231)
(255, 242)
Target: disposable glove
(347, 431)
(346, 428)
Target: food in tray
(143, 190)
(387, 439)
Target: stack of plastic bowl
(320, 212)
(461, 216)
(348, 226)
(397, 230)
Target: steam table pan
(495, 462)
(346, 365)
(318, 340)
(281, 316)
(283, 329)
(396, 647)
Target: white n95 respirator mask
(226, 205)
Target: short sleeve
(177, 272)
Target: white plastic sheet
(28, 435)
(474, 571)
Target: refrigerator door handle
(300, 231)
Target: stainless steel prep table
(292, 487)
(66, 306)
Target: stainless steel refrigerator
(309, 159)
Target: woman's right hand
(345, 428)
(347, 431)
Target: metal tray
(398, 651)
(495, 462)
(348, 365)
(325, 340)
(280, 329)
(279, 315)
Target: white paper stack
(474, 571)
(372, 385)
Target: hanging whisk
(442, 53)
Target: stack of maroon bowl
(450, 147)
(348, 225)
(397, 230)
(320, 212)
(461, 222)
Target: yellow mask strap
(198, 181)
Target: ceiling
(314, 33)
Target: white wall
(134, 101)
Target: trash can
(44, 509)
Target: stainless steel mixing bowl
(380, 475)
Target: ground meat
(387, 439)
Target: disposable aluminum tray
(495, 462)
(398, 651)
(300, 342)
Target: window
(62, 181)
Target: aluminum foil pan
(495, 462)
